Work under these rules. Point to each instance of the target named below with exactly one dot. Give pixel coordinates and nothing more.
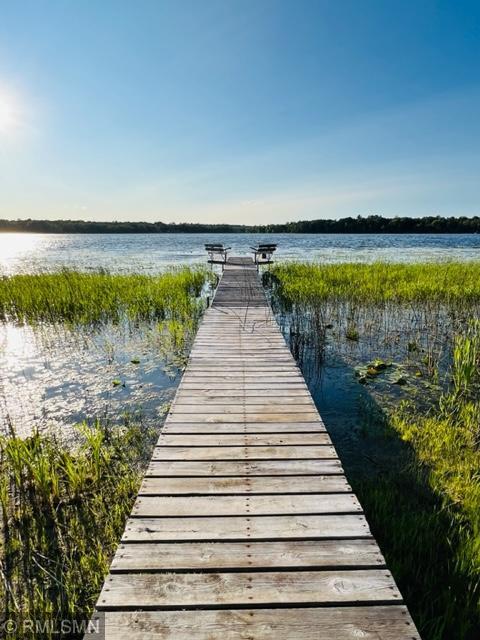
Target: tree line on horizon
(360, 224)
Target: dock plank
(243, 427)
(152, 590)
(243, 485)
(224, 556)
(345, 623)
(251, 468)
(245, 439)
(147, 506)
(240, 453)
(292, 527)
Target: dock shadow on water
(361, 365)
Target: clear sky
(239, 110)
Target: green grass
(63, 513)
(86, 298)
(424, 506)
(378, 283)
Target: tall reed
(85, 298)
(63, 512)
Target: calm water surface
(149, 253)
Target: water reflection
(17, 248)
(53, 378)
(412, 349)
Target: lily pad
(380, 365)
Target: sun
(8, 114)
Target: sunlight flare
(9, 113)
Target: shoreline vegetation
(360, 224)
(420, 488)
(77, 297)
(64, 507)
(63, 512)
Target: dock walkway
(245, 526)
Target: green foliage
(445, 444)
(87, 298)
(377, 283)
(63, 512)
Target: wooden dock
(245, 527)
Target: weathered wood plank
(243, 485)
(182, 590)
(241, 453)
(299, 416)
(318, 623)
(245, 427)
(277, 392)
(289, 468)
(246, 408)
(247, 439)
(243, 555)
(296, 527)
(245, 367)
(239, 379)
(257, 505)
(244, 373)
(186, 399)
(261, 345)
(261, 386)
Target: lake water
(54, 378)
(150, 253)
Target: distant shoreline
(358, 225)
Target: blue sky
(244, 111)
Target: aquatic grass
(377, 283)
(87, 298)
(78, 301)
(418, 305)
(466, 363)
(63, 512)
(445, 444)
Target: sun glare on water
(14, 248)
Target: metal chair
(262, 253)
(217, 253)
